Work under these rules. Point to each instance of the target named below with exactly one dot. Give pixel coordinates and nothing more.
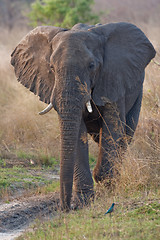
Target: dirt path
(16, 216)
(23, 208)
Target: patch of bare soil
(18, 214)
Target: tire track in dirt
(19, 214)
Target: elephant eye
(91, 65)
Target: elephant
(93, 77)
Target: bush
(62, 13)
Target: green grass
(40, 158)
(133, 221)
(15, 179)
(24, 155)
(2, 162)
(51, 187)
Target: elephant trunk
(69, 136)
(69, 105)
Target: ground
(22, 194)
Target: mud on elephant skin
(93, 77)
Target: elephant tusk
(89, 107)
(47, 109)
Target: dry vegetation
(22, 129)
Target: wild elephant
(93, 77)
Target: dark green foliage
(62, 13)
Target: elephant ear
(31, 61)
(127, 51)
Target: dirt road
(16, 216)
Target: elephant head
(69, 68)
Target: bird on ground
(110, 210)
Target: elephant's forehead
(73, 38)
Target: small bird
(110, 210)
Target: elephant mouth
(50, 106)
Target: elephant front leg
(82, 180)
(111, 141)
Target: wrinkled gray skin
(102, 63)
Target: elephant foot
(65, 208)
(82, 199)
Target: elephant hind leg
(133, 117)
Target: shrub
(62, 13)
